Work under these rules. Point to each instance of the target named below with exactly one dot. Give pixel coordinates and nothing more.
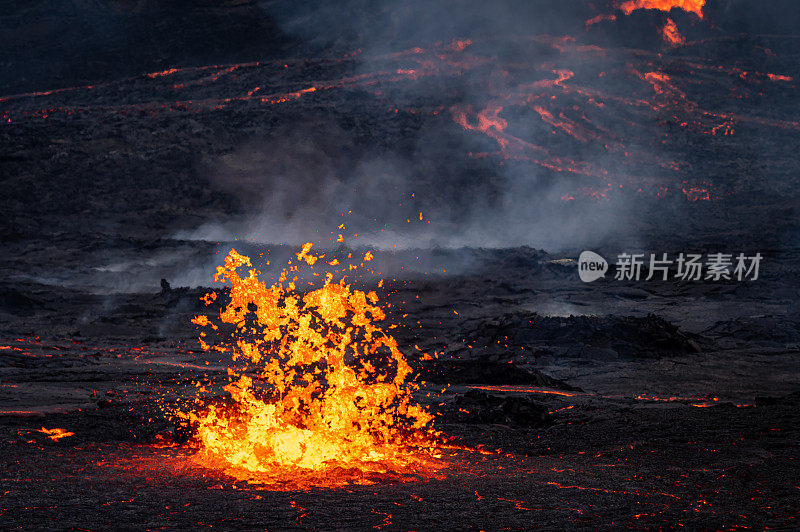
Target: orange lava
(691, 6)
(489, 122)
(56, 434)
(162, 73)
(552, 119)
(523, 389)
(319, 395)
(671, 35)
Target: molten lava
(320, 392)
(691, 6)
(600, 128)
(56, 433)
(671, 35)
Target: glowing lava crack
(319, 395)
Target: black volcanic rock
(590, 337)
(48, 44)
(486, 372)
(477, 406)
(754, 17)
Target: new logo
(591, 266)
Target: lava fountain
(690, 6)
(319, 392)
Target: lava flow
(319, 396)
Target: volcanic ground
(475, 159)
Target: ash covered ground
(476, 151)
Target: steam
(304, 180)
(299, 192)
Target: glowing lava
(600, 128)
(671, 35)
(321, 395)
(691, 6)
(56, 434)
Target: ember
(321, 387)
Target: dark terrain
(141, 141)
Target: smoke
(303, 184)
(375, 171)
(383, 26)
(562, 167)
(386, 157)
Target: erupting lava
(321, 396)
(691, 6)
(669, 32)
